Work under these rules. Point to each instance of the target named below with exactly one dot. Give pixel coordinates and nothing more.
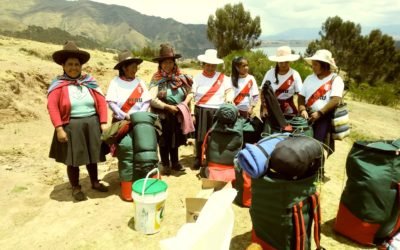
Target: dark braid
(276, 73)
(235, 73)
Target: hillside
(37, 211)
(112, 26)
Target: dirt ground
(37, 210)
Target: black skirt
(84, 145)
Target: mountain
(112, 26)
(312, 33)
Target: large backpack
(283, 211)
(369, 210)
(221, 144)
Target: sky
(276, 15)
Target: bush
(382, 94)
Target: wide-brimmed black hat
(126, 57)
(70, 50)
(166, 52)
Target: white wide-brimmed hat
(284, 54)
(210, 57)
(322, 55)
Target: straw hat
(166, 52)
(70, 50)
(322, 55)
(125, 57)
(210, 57)
(284, 54)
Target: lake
(270, 51)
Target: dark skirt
(84, 145)
(172, 136)
(323, 133)
(204, 120)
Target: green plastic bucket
(149, 195)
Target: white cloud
(276, 15)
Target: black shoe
(196, 165)
(100, 187)
(166, 170)
(78, 194)
(178, 167)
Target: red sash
(210, 93)
(245, 91)
(132, 99)
(285, 86)
(319, 92)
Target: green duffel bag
(283, 212)
(124, 153)
(369, 210)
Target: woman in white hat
(210, 89)
(127, 94)
(285, 81)
(171, 90)
(321, 94)
(78, 111)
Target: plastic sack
(213, 228)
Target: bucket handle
(147, 177)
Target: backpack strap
(316, 212)
(204, 147)
(299, 226)
(397, 225)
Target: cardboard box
(195, 205)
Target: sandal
(100, 187)
(78, 194)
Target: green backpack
(283, 211)
(369, 210)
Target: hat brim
(203, 58)
(288, 58)
(315, 58)
(61, 56)
(157, 59)
(129, 61)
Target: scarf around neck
(84, 80)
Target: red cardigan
(59, 106)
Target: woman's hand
(171, 108)
(61, 135)
(315, 116)
(250, 111)
(304, 114)
(103, 127)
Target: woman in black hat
(171, 92)
(127, 94)
(78, 111)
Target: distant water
(270, 51)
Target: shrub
(382, 94)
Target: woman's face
(283, 67)
(209, 68)
(243, 67)
(72, 67)
(316, 67)
(167, 65)
(130, 70)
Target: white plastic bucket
(149, 197)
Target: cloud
(276, 15)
